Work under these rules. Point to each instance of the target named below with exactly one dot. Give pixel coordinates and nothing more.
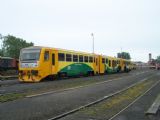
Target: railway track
(6, 86)
(11, 82)
(72, 88)
(114, 116)
(22, 91)
(8, 83)
(62, 116)
(59, 102)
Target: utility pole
(121, 52)
(1, 38)
(1, 45)
(92, 42)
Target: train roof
(60, 49)
(72, 51)
(33, 47)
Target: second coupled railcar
(37, 63)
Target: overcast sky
(130, 25)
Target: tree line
(124, 55)
(11, 46)
(158, 59)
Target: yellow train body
(37, 63)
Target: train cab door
(54, 62)
(46, 66)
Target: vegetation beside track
(11, 97)
(109, 107)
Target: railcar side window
(90, 59)
(80, 58)
(61, 57)
(68, 57)
(46, 56)
(103, 60)
(75, 58)
(85, 58)
(106, 61)
(114, 63)
(109, 63)
(53, 59)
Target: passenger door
(54, 62)
(101, 65)
(97, 64)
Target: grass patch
(11, 97)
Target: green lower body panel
(111, 70)
(76, 69)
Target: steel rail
(97, 101)
(73, 88)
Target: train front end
(29, 65)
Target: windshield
(30, 54)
